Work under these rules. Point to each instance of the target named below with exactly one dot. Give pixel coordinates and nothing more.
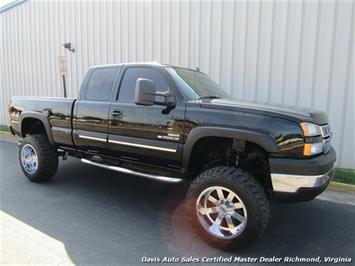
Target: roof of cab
(122, 64)
(140, 64)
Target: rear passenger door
(91, 110)
(151, 134)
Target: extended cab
(175, 124)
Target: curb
(8, 137)
(341, 187)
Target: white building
(292, 52)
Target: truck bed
(57, 110)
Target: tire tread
(48, 164)
(247, 183)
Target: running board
(131, 172)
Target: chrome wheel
(29, 159)
(221, 212)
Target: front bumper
(301, 179)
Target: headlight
(310, 129)
(312, 148)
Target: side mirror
(144, 92)
(169, 99)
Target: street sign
(63, 65)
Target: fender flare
(43, 118)
(262, 139)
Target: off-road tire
(248, 190)
(47, 158)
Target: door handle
(117, 113)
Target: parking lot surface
(89, 215)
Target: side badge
(170, 136)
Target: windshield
(196, 85)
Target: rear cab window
(100, 84)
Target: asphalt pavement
(89, 215)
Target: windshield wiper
(209, 97)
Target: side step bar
(132, 172)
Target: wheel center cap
(228, 204)
(227, 207)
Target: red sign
(63, 65)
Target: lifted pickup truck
(175, 124)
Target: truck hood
(297, 114)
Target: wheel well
(208, 152)
(212, 151)
(32, 126)
(255, 160)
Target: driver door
(151, 134)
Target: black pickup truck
(174, 124)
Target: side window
(128, 84)
(100, 84)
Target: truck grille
(327, 136)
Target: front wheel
(38, 158)
(228, 207)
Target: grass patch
(346, 176)
(4, 128)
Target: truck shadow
(103, 217)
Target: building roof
(11, 5)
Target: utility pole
(63, 70)
(64, 87)
(63, 66)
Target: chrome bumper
(292, 183)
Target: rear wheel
(38, 158)
(228, 207)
